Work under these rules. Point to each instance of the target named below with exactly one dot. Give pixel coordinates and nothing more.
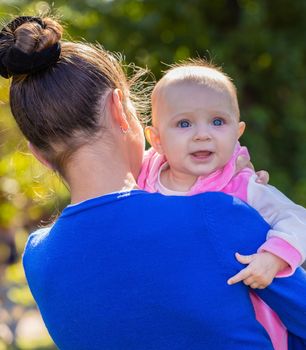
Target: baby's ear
(152, 136)
(241, 128)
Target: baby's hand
(243, 162)
(262, 177)
(261, 270)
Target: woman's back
(138, 271)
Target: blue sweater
(141, 271)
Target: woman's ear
(118, 111)
(152, 136)
(241, 128)
(39, 156)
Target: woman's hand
(262, 175)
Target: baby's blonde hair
(199, 71)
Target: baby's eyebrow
(222, 114)
(182, 115)
(212, 113)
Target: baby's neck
(174, 181)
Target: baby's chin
(204, 172)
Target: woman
(121, 268)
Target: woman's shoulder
(38, 236)
(35, 243)
(34, 249)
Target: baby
(194, 136)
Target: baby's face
(198, 127)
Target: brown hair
(191, 70)
(58, 109)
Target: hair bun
(14, 60)
(17, 22)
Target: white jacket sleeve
(287, 219)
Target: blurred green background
(260, 44)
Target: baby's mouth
(201, 154)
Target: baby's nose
(201, 134)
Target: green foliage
(259, 43)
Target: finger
(243, 162)
(258, 279)
(263, 284)
(261, 287)
(256, 285)
(262, 177)
(240, 276)
(250, 280)
(245, 259)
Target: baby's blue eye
(218, 122)
(183, 124)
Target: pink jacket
(227, 181)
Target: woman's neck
(91, 174)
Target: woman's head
(60, 90)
